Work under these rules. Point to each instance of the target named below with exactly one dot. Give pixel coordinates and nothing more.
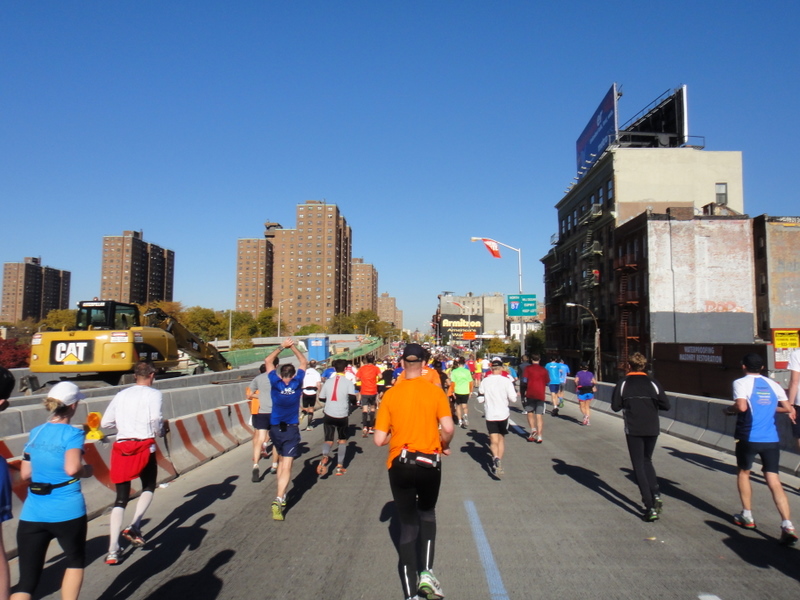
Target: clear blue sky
(427, 122)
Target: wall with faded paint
(661, 178)
(701, 282)
(783, 258)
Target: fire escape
(628, 303)
(591, 254)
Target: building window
(721, 190)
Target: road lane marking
(493, 578)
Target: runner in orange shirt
(368, 374)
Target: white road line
(493, 579)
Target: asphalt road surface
(562, 523)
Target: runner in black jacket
(640, 398)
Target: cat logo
(71, 353)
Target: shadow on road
(202, 585)
(201, 499)
(159, 555)
(479, 450)
(592, 480)
(709, 463)
(759, 549)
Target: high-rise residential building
(254, 271)
(136, 271)
(364, 287)
(31, 290)
(388, 311)
(311, 268)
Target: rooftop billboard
(598, 132)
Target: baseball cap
(66, 392)
(497, 361)
(414, 353)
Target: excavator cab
(106, 315)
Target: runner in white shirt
(136, 413)
(794, 397)
(312, 383)
(497, 391)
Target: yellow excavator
(109, 339)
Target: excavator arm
(188, 342)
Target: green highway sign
(522, 305)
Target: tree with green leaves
(204, 322)
(60, 319)
(341, 323)
(309, 329)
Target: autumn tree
(14, 354)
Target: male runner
(260, 411)
(312, 383)
(136, 413)
(536, 378)
(756, 400)
(336, 395)
(794, 397)
(553, 369)
(462, 388)
(414, 419)
(497, 390)
(284, 424)
(368, 374)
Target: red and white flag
(492, 247)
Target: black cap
(414, 353)
(497, 362)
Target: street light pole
(519, 273)
(597, 365)
(366, 327)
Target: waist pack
(585, 389)
(428, 461)
(45, 489)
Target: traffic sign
(522, 305)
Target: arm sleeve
(662, 400)
(616, 397)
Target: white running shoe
(430, 586)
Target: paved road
(563, 523)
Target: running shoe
(430, 586)
(537, 438)
(273, 470)
(341, 470)
(650, 515)
(585, 421)
(532, 437)
(465, 422)
(364, 432)
(322, 466)
(134, 536)
(554, 412)
(498, 468)
(560, 403)
(277, 509)
(254, 479)
(658, 503)
(742, 521)
(788, 536)
(112, 558)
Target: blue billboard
(596, 135)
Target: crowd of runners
(412, 402)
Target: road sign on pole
(522, 305)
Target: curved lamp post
(597, 365)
